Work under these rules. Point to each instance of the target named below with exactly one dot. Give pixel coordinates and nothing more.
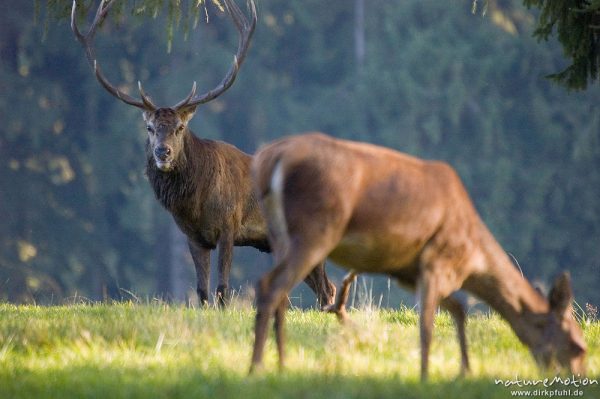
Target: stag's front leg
(323, 288)
(225, 259)
(201, 257)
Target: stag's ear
(561, 295)
(186, 114)
(146, 116)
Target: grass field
(154, 350)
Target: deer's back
(386, 205)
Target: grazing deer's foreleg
(339, 308)
(457, 311)
(323, 288)
(201, 257)
(428, 298)
(225, 259)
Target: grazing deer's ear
(577, 347)
(539, 290)
(561, 295)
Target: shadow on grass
(111, 382)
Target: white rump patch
(274, 208)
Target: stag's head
(561, 344)
(167, 126)
(166, 130)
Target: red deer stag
(204, 184)
(371, 209)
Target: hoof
(255, 369)
(339, 312)
(330, 308)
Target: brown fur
(371, 209)
(208, 190)
(204, 184)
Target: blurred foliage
(179, 13)
(576, 23)
(577, 26)
(437, 82)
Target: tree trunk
(178, 264)
(162, 254)
(359, 34)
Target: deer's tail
(268, 172)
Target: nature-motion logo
(572, 381)
(548, 387)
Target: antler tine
(145, 99)
(87, 43)
(246, 30)
(187, 99)
(237, 15)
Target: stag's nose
(162, 152)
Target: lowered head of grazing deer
(374, 210)
(204, 184)
(557, 341)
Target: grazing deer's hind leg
(279, 331)
(457, 311)
(272, 290)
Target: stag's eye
(150, 129)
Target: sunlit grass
(153, 350)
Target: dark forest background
(427, 77)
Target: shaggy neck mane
(190, 175)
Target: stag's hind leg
(339, 307)
(224, 261)
(321, 285)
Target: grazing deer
(204, 184)
(371, 209)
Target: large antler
(87, 41)
(245, 29)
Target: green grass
(127, 350)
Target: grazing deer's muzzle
(551, 364)
(577, 365)
(566, 357)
